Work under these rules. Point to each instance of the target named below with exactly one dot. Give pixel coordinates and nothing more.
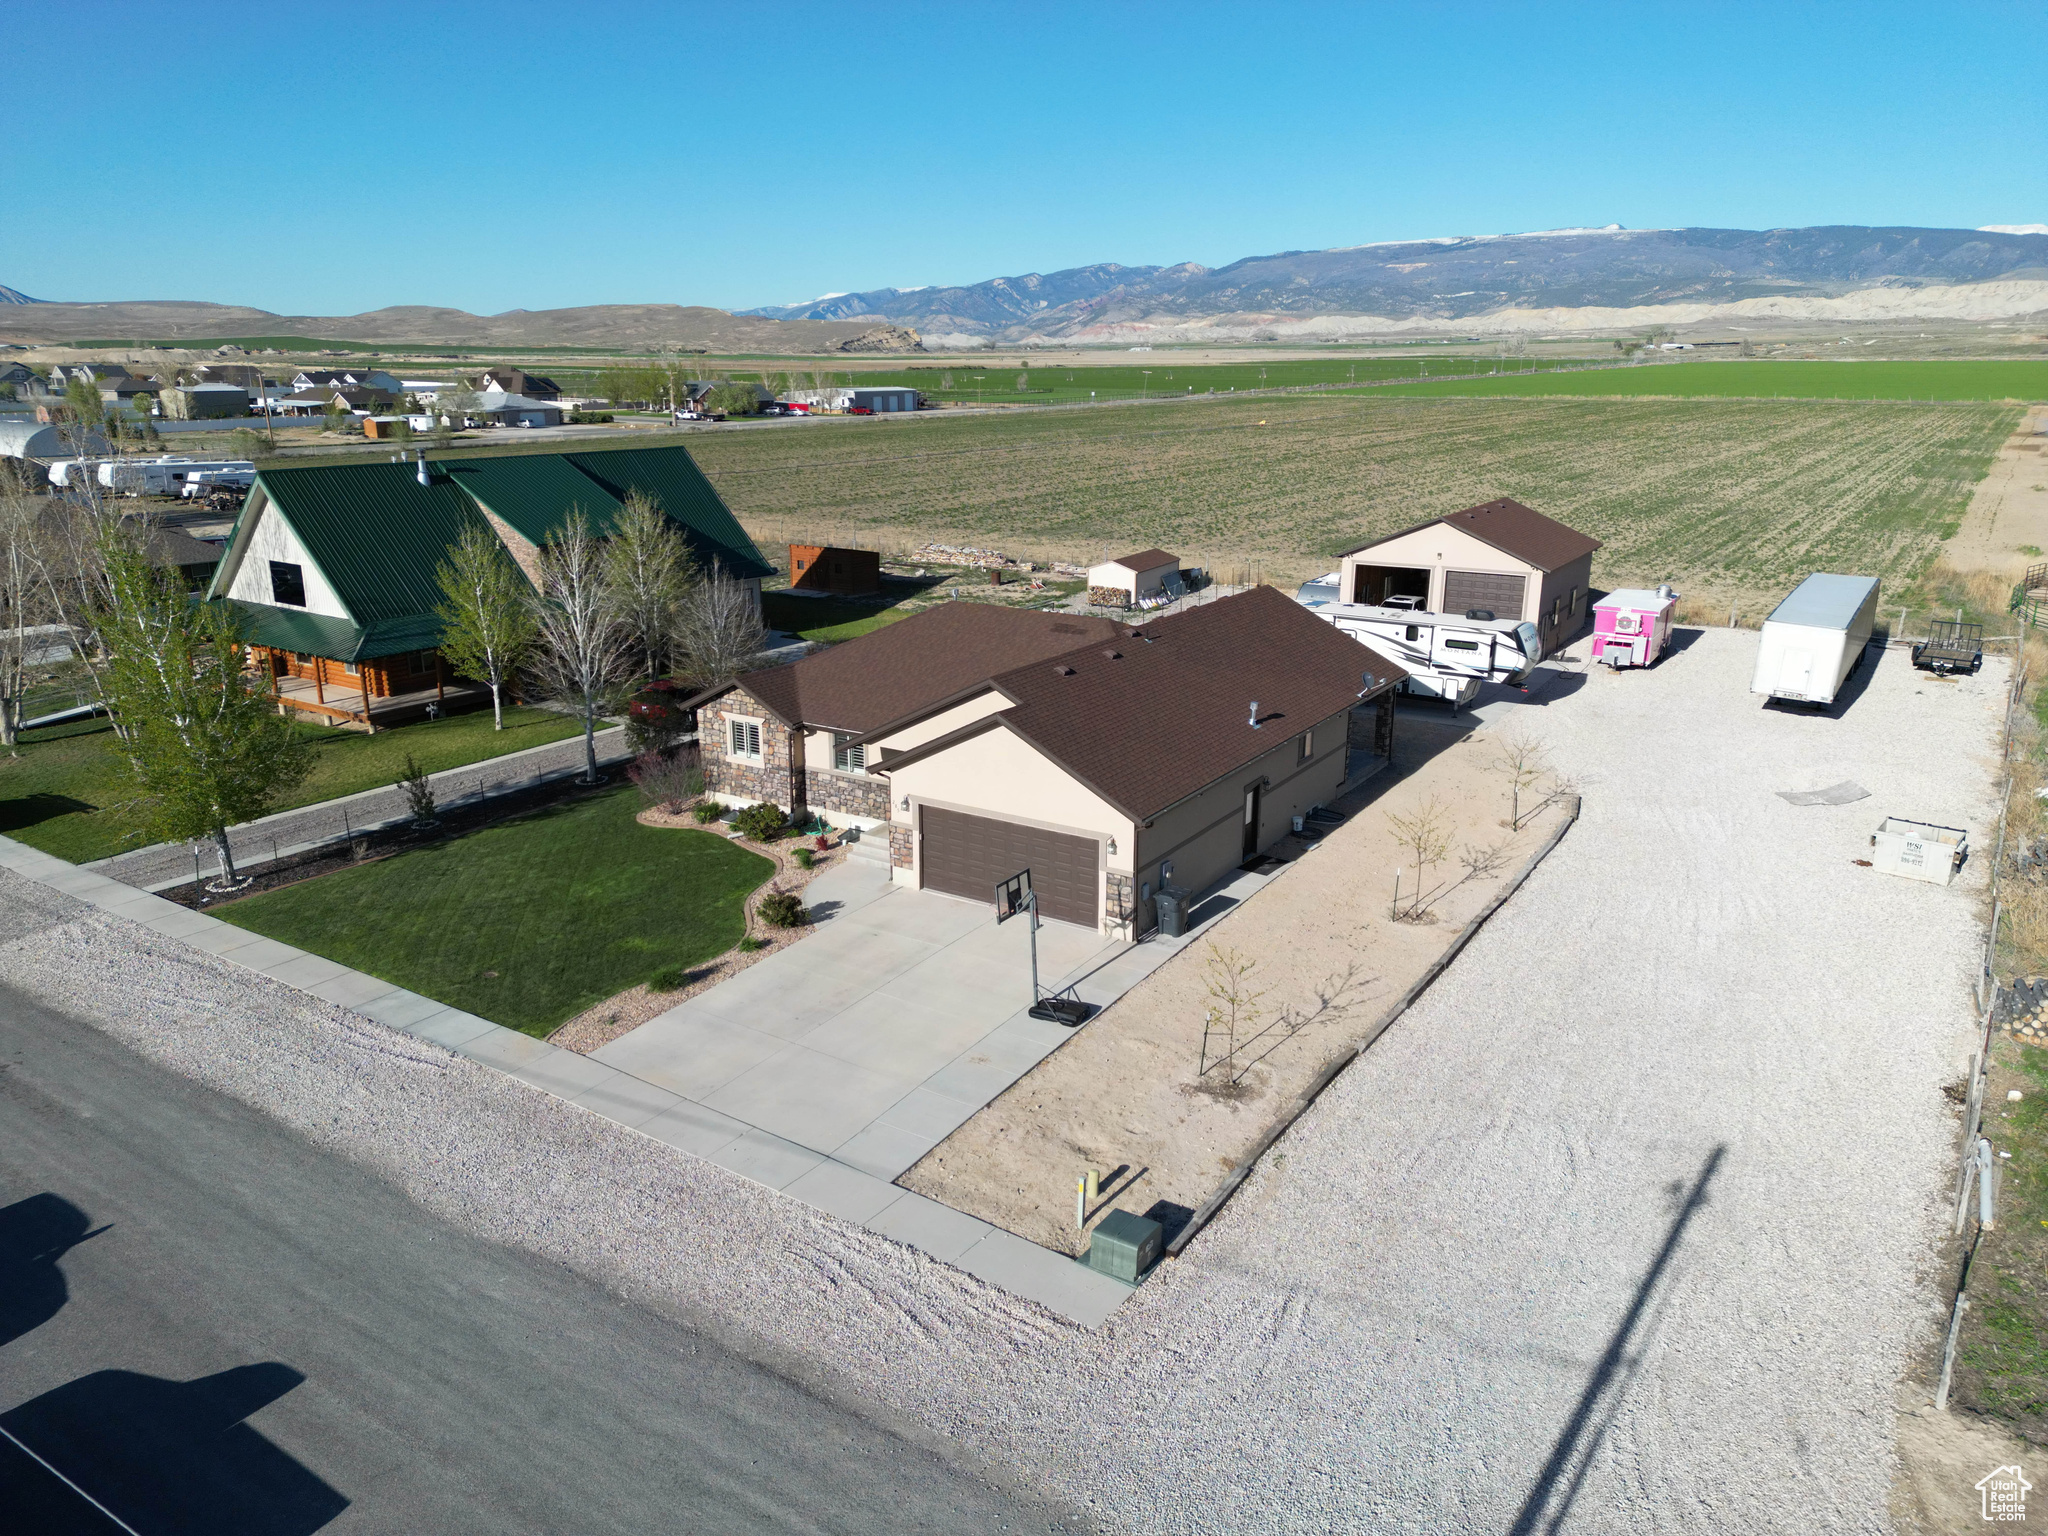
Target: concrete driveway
(881, 1032)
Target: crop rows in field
(1792, 379)
(1724, 498)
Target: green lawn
(529, 922)
(1792, 379)
(70, 792)
(829, 618)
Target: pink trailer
(1631, 627)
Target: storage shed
(200, 402)
(881, 401)
(823, 568)
(1131, 579)
(1499, 558)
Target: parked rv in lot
(1445, 657)
(1813, 640)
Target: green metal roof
(671, 477)
(315, 634)
(379, 536)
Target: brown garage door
(966, 855)
(1500, 595)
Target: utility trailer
(1951, 646)
(1813, 640)
(1631, 627)
(1445, 657)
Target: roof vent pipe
(422, 472)
(1255, 715)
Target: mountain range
(1579, 280)
(1461, 278)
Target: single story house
(823, 568)
(124, 389)
(516, 381)
(516, 411)
(1109, 760)
(90, 373)
(332, 567)
(197, 402)
(347, 378)
(1499, 558)
(1132, 579)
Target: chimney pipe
(422, 472)
(1254, 722)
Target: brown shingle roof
(1146, 560)
(1171, 715)
(1514, 529)
(890, 673)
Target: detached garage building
(1499, 558)
(1106, 759)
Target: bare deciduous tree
(1426, 838)
(649, 571)
(720, 633)
(1234, 1006)
(1522, 761)
(581, 654)
(25, 605)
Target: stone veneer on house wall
(847, 794)
(779, 776)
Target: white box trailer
(1813, 639)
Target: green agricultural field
(1764, 380)
(1725, 498)
(1159, 377)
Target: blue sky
(329, 159)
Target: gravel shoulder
(1480, 1281)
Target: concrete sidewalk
(163, 865)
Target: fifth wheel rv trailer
(163, 476)
(1813, 640)
(1445, 657)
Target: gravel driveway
(1626, 1219)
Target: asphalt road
(209, 1324)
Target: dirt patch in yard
(1157, 1094)
(604, 1022)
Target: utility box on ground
(1918, 850)
(1124, 1246)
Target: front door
(1251, 822)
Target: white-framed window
(849, 759)
(743, 738)
(1308, 747)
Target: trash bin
(1172, 905)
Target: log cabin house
(333, 568)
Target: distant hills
(612, 327)
(1464, 278)
(1574, 280)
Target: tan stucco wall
(999, 774)
(980, 707)
(1204, 837)
(1439, 548)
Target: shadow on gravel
(34, 1234)
(1557, 1486)
(171, 1456)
